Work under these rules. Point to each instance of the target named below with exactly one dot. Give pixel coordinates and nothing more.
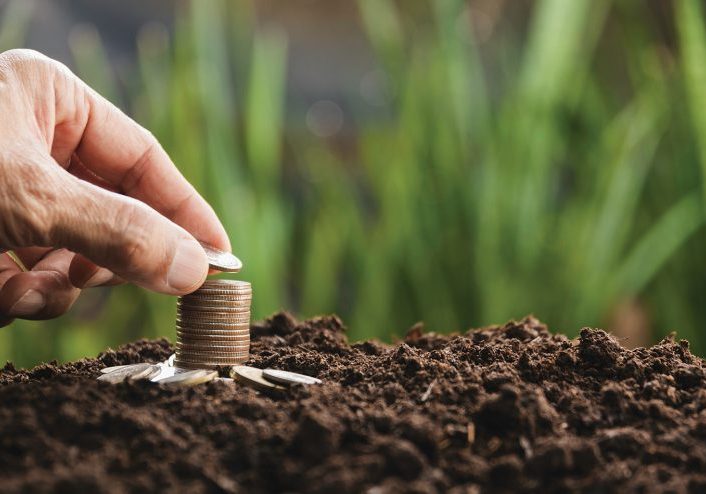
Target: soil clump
(511, 408)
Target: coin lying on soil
(131, 372)
(190, 378)
(107, 370)
(252, 377)
(288, 378)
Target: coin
(211, 338)
(132, 372)
(106, 370)
(221, 260)
(219, 293)
(213, 325)
(222, 357)
(202, 364)
(224, 285)
(213, 365)
(190, 378)
(217, 308)
(212, 349)
(215, 315)
(208, 324)
(201, 297)
(165, 371)
(287, 378)
(252, 377)
(205, 305)
(197, 358)
(216, 329)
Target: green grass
(558, 171)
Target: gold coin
(210, 351)
(185, 314)
(223, 358)
(215, 325)
(131, 373)
(201, 365)
(252, 377)
(212, 348)
(214, 331)
(211, 323)
(197, 304)
(215, 339)
(208, 309)
(225, 284)
(218, 293)
(246, 288)
(237, 300)
(212, 311)
(214, 359)
(215, 307)
(209, 363)
(190, 332)
(190, 378)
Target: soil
(511, 408)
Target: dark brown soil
(511, 408)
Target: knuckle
(24, 60)
(133, 246)
(27, 204)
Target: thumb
(129, 238)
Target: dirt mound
(510, 408)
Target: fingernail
(188, 267)
(99, 277)
(29, 303)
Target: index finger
(123, 153)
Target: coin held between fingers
(221, 260)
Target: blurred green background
(456, 162)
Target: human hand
(87, 196)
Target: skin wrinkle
(134, 175)
(65, 154)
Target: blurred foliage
(558, 171)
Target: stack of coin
(213, 325)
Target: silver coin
(252, 377)
(221, 260)
(225, 309)
(107, 370)
(217, 326)
(202, 339)
(210, 302)
(218, 295)
(204, 364)
(132, 372)
(287, 378)
(195, 357)
(212, 349)
(225, 285)
(190, 378)
(222, 358)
